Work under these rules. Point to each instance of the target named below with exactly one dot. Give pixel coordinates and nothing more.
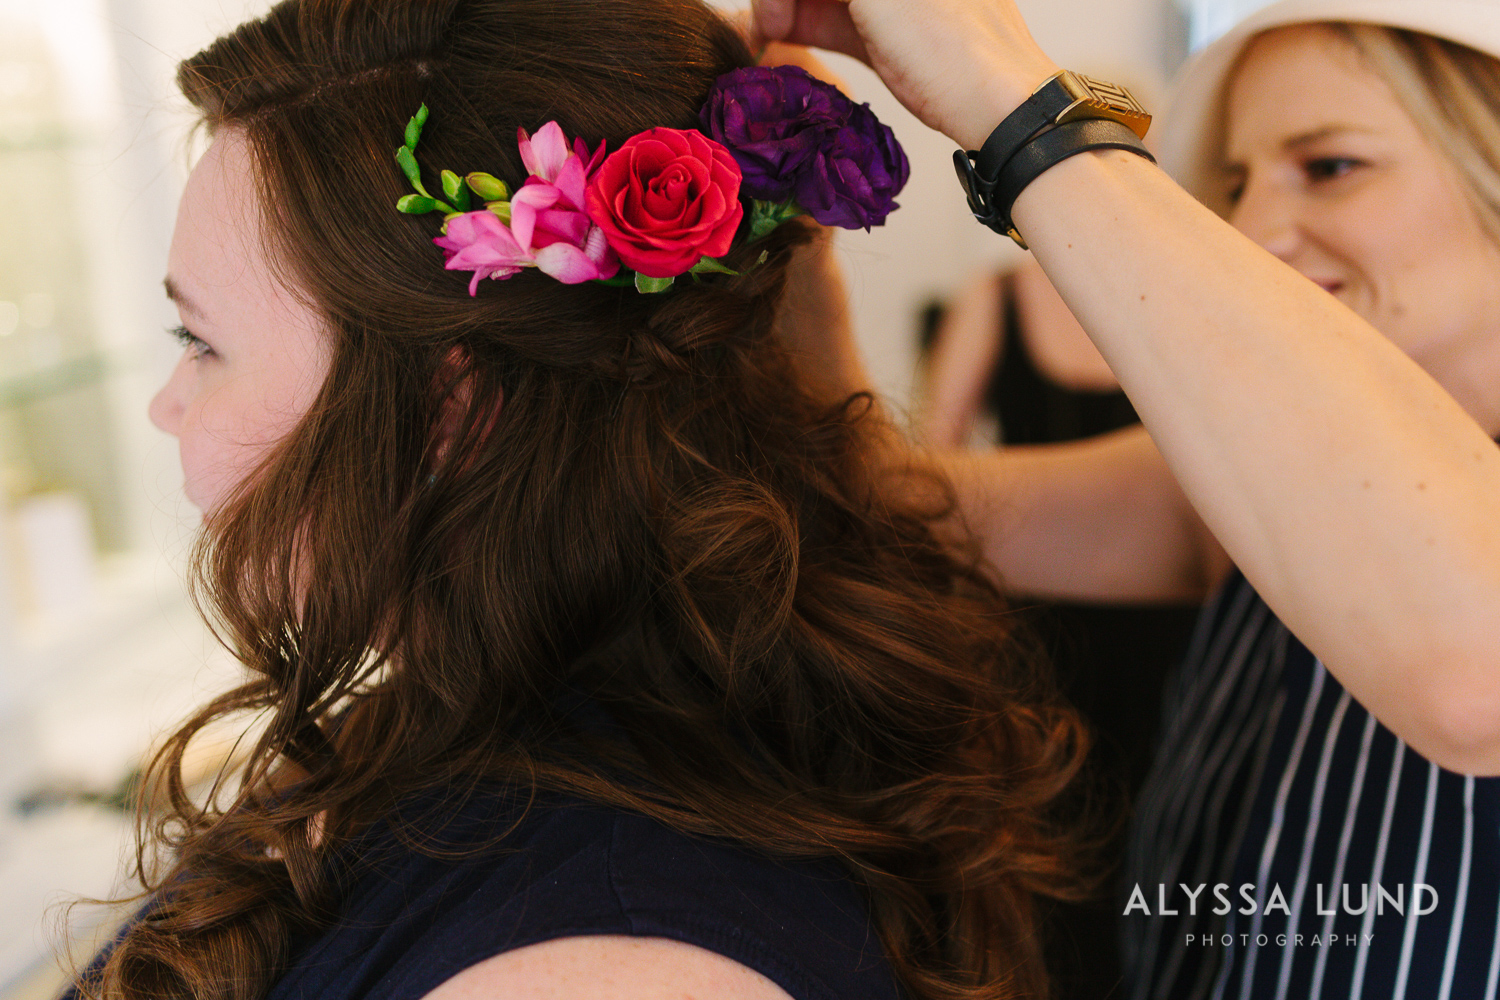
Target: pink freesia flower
(552, 242)
(546, 154)
(480, 242)
(553, 165)
(548, 228)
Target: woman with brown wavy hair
(595, 652)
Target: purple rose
(799, 139)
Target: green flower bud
(417, 204)
(454, 190)
(414, 127)
(488, 187)
(408, 164)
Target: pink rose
(665, 199)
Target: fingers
(823, 24)
(772, 20)
(782, 54)
(958, 65)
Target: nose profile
(1268, 217)
(165, 409)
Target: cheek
(1386, 246)
(1359, 231)
(224, 438)
(210, 469)
(1409, 230)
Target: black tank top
(564, 868)
(1033, 409)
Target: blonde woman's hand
(770, 52)
(960, 66)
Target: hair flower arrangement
(669, 201)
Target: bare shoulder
(614, 966)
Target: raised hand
(959, 65)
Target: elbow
(1457, 709)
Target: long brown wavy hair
(498, 502)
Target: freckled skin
(266, 355)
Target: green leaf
(767, 215)
(409, 168)
(488, 187)
(707, 265)
(414, 128)
(652, 286)
(455, 191)
(417, 204)
(762, 226)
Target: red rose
(666, 198)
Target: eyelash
(190, 342)
(1329, 168)
(1318, 170)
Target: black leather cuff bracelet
(1061, 98)
(1049, 149)
(991, 201)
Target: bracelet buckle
(980, 196)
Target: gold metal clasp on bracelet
(1101, 99)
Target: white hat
(1194, 124)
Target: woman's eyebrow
(1319, 134)
(183, 302)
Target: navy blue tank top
(413, 918)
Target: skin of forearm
(963, 359)
(1356, 495)
(1100, 519)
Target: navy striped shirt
(1292, 834)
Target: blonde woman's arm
(1099, 520)
(1354, 492)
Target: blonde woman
(1320, 390)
